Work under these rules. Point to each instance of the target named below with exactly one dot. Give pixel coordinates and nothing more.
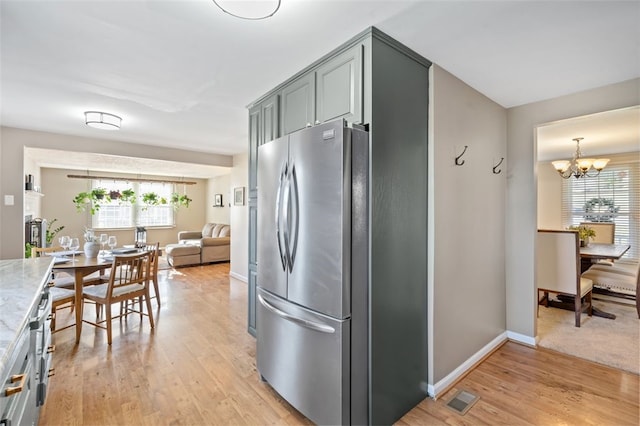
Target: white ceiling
(181, 73)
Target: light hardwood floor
(198, 368)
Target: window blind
(612, 196)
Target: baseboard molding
(443, 385)
(521, 338)
(238, 277)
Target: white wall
(521, 209)
(467, 283)
(12, 171)
(219, 185)
(239, 218)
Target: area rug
(615, 343)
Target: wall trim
(443, 385)
(238, 276)
(521, 338)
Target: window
(613, 196)
(115, 214)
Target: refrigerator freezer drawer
(305, 357)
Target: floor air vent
(462, 401)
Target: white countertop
(21, 281)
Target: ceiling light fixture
(102, 120)
(252, 10)
(579, 167)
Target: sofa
(211, 244)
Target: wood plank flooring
(198, 368)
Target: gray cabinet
(376, 80)
(254, 135)
(333, 90)
(298, 100)
(339, 88)
(253, 265)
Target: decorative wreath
(600, 210)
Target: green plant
(128, 196)
(584, 232)
(178, 200)
(27, 251)
(52, 232)
(81, 200)
(98, 193)
(150, 198)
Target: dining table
(601, 251)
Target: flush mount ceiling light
(102, 120)
(579, 167)
(252, 10)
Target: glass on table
(103, 240)
(112, 242)
(74, 245)
(65, 242)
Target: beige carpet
(615, 343)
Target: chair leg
(108, 324)
(150, 313)
(155, 287)
(577, 303)
(590, 304)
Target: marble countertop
(20, 283)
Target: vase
(91, 250)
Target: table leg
(79, 279)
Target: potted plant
(91, 244)
(98, 193)
(52, 232)
(81, 200)
(178, 200)
(584, 233)
(128, 196)
(115, 195)
(150, 198)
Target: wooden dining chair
(154, 250)
(558, 270)
(128, 280)
(61, 298)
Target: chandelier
(579, 167)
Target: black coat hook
(496, 166)
(458, 162)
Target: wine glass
(65, 242)
(103, 240)
(74, 245)
(112, 242)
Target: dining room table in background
(600, 251)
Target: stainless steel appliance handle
(285, 215)
(295, 215)
(323, 328)
(283, 172)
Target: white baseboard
(521, 338)
(444, 384)
(238, 276)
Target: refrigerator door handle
(323, 328)
(283, 174)
(295, 215)
(285, 214)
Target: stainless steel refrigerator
(312, 271)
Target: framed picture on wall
(238, 196)
(217, 200)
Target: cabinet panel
(253, 282)
(298, 99)
(270, 119)
(339, 88)
(254, 138)
(253, 231)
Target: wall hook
(496, 166)
(458, 162)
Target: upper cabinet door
(255, 136)
(270, 119)
(339, 88)
(298, 99)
